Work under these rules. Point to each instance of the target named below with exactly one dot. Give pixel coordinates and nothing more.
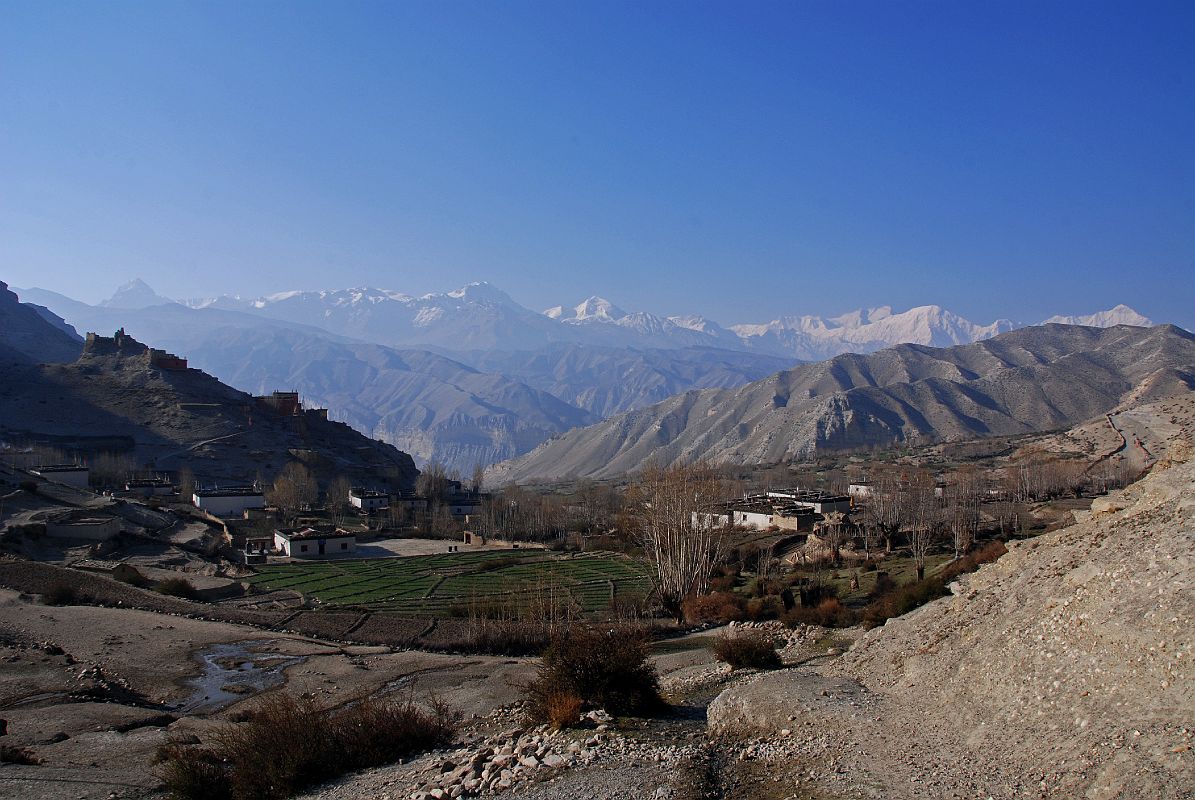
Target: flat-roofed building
(230, 502)
(314, 542)
(83, 525)
(368, 500)
(69, 474)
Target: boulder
(769, 702)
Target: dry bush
(715, 607)
(193, 773)
(493, 637)
(746, 651)
(828, 613)
(177, 587)
(563, 709)
(770, 606)
(10, 754)
(903, 599)
(288, 745)
(61, 594)
(605, 668)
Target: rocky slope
(112, 399)
(610, 380)
(1034, 379)
(1064, 669)
(422, 403)
(1071, 658)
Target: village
(262, 555)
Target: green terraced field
(432, 585)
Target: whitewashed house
(368, 500)
(231, 502)
(314, 543)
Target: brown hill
(114, 398)
(1034, 379)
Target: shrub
(177, 587)
(606, 669)
(767, 607)
(61, 594)
(495, 638)
(10, 754)
(828, 613)
(898, 600)
(715, 607)
(755, 652)
(193, 773)
(288, 745)
(563, 709)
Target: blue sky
(741, 160)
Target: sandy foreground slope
(1065, 669)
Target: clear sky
(737, 159)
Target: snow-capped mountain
(597, 320)
(864, 331)
(480, 316)
(1119, 315)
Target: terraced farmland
(432, 585)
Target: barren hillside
(116, 401)
(1030, 380)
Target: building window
(302, 548)
(344, 545)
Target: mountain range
(480, 316)
(470, 376)
(1033, 379)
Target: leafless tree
(887, 504)
(925, 518)
(433, 483)
(683, 554)
(963, 497)
(111, 469)
(337, 496)
(293, 489)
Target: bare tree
(293, 489)
(925, 518)
(682, 553)
(963, 498)
(337, 496)
(434, 483)
(887, 504)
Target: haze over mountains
(470, 376)
(1034, 379)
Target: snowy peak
(479, 292)
(135, 294)
(598, 308)
(482, 316)
(1119, 315)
